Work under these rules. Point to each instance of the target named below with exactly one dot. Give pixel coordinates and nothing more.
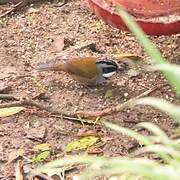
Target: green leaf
(82, 143)
(41, 157)
(4, 112)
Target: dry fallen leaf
(134, 63)
(87, 133)
(42, 147)
(54, 173)
(37, 134)
(15, 154)
(19, 170)
(94, 150)
(58, 43)
(4, 112)
(127, 56)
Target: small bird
(87, 70)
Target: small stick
(62, 4)
(76, 115)
(8, 97)
(114, 109)
(15, 7)
(29, 102)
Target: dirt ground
(26, 39)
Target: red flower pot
(156, 17)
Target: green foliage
(41, 157)
(167, 149)
(81, 143)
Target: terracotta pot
(150, 8)
(146, 12)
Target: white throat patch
(107, 75)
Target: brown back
(85, 67)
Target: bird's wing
(85, 67)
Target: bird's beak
(121, 67)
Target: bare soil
(26, 39)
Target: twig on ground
(17, 6)
(14, 8)
(91, 46)
(8, 97)
(112, 110)
(75, 115)
(62, 4)
(69, 118)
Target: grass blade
(171, 109)
(150, 48)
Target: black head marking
(108, 64)
(107, 61)
(107, 67)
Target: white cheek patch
(107, 75)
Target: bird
(87, 70)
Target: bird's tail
(51, 67)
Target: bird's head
(107, 67)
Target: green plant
(130, 168)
